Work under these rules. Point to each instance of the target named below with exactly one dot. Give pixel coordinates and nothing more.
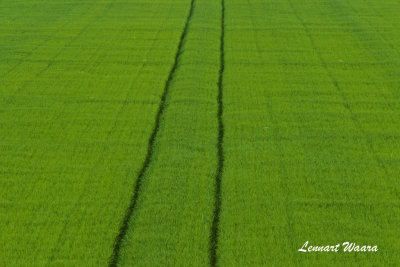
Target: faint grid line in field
(371, 25)
(30, 53)
(51, 61)
(345, 102)
(275, 132)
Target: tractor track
(136, 191)
(220, 150)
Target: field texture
(199, 132)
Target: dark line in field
(220, 166)
(132, 205)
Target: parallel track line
(220, 166)
(132, 205)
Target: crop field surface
(199, 132)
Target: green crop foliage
(199, 132)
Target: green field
(199, 132)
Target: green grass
(310, 138)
